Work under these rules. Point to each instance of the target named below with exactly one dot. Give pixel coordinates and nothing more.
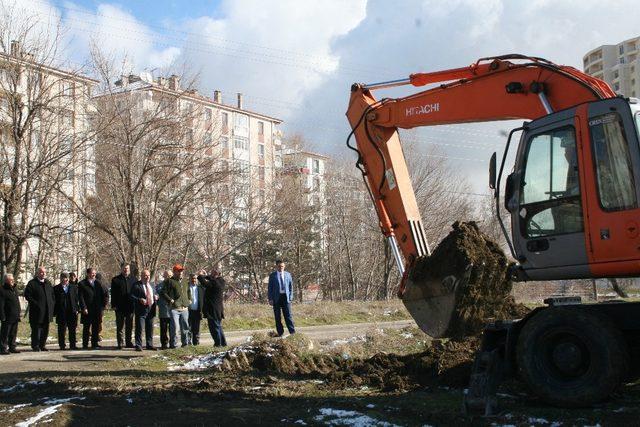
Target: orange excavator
(573, 201)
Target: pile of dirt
(444, 363)
(484, 291)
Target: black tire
(571, 356)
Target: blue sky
(156, 12)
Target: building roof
(192, 95)
(27, 61)
(292, 152)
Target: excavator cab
(582, 159)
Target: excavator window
(550, 191)
(614, 170)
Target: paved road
(93, 360)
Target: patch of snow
(334, 417)
(506, 395)
(211, 360)
(129, 400)
(14, 408)
(21, 386)
(301, 422)
(556, 424)
(65, 400)
(371, 406)
(533, 420)
(347, 341)
(622, 409)
(40, 415)
(406, 335)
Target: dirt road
(93, 360)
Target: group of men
(179, 305)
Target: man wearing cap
(176, 293)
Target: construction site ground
(385, 374)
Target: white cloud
(118, 33)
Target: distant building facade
(618, 65)
(64, 121)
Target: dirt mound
(445, 363)
(484, 292)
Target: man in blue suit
(280, 293)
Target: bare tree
(156, 155)
(43, 114)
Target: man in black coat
(9, 314)
(93, 299)
(66, 310)
(39, 295)
(144, 298)
(212, 307)
(122, 303)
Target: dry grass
(260, 316)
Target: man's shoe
(73, 347)
(138, 348)
(85, 347)
(44, 349)
(96, 345)
(172, 347)
(35, 348)
(3, 351)
(184, 345)
(62, 348)
(164, 347)
(152, 348)
(119, 347)
(14, 350)
(130, 345)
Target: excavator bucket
(432, 302)
(464, 283)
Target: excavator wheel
(571, 357)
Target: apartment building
(310, 169)
(618, 65)
(48, 108)
(247, 141)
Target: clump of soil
(444, 363)
(467, 252)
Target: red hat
(178, 267)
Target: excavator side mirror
(492, 172)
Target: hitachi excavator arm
(491, 89)
(498, 88)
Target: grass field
(260, 316)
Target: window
(240, 143)
(616, 74)
(621, 49)
(261, 173)
(225, 122)
(261, 128)
(616, 86)
(208, 138)
(614, 171)
(550, 189)
(261, 151)
(241, 121)
(207, 114)
(66, 88)
(315, 166)
(224, 142)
